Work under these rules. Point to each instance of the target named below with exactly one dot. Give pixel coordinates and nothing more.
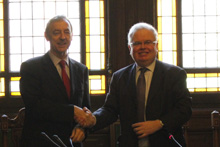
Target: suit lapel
(53, 75)
(74, 77)
(129, 99)
(156, 85)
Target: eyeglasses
(146, 43)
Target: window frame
(179, 52)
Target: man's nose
(62, 35)
(143, 45)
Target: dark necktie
(65, 77)
(141, 88)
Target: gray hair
(138, 26)
(55, 19)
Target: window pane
(203, 82)
(73, 9)
(14, 14)
(95, 11)
(188, 59)
(37, 44)
(2, 86)
(167, 31)
(15, 45)
(38, 27)
(187, 7)
(15, 90)
(38, 10)
(95, 43)
(2, 48)
(27, 30)
(16, 60)
(201, 33)
(14, 26)
(95, 61)
(95, 30)
(97, 84)
(26, 10)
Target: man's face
(60, 37)
(143, 49)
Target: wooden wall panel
(122, 15)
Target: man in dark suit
(166, 103)
(50, 103)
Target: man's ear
(129, 47)
(47, 37)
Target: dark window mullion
(6, 49)
(82, 32)
(179, 33)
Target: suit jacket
(47, 107)
(168, 100)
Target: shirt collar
(151, 67)
(56, 60)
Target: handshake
(84, 117)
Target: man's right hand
(84, 117)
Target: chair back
(13, 125)
(215, 123)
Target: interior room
(188, 37)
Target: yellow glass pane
(159, 27)
(190, 75)
(159, 7)
(87, 44)
(200, 75)
(174, 7)
(212, 89)
(86, 9)
(1, 28)
(15, 93)
(160, 43)
(1, 45)
(174, 42)
(174, 58)
(97, 92)
(167, 26)
(102, 25)
(15, 78)
(94, 77)
(212, 74)
(87, 27)
(2, 87)
(101, 5)
(1, 10)
(103, 82)
(160, 57)
(174, 25)
(102, 61)
(102, 44)
(200, 89)
(2, 65)
(100, 90)
(88, 60)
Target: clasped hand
(84, 117)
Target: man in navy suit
(49, 107)
(167, 102)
